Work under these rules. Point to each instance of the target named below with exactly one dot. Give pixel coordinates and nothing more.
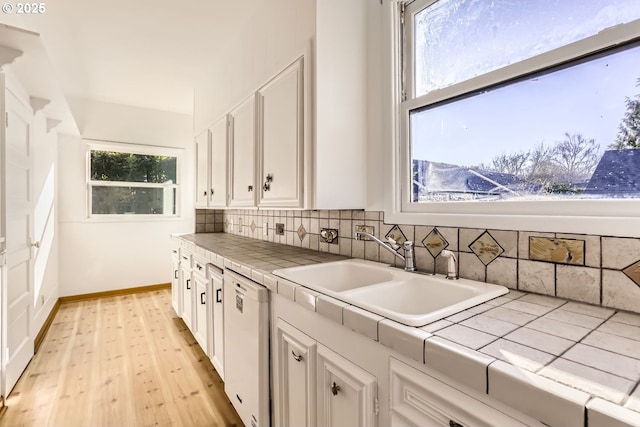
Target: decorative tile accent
(562, 251)
(486, 248)
(253, 226)
(435, 242)
(397, 235)
(302, 233)
(633, 272)
(329, 235)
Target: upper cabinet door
(242, 154)
(281, 139)
(219, 163)
(202, 169)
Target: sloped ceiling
(143, 53)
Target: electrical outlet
(365, 228)
(265, 229)
(239, 225)
(279, 229)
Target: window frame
(94, 145)
(608, 216)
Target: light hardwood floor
(122, 361)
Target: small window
(136, 182)
(521, 101)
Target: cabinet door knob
(298, 357)
(205, 193)
(211, 191)
(250, 188)
(188, 280)
(335, 388)
(219, 295)
(202, 301)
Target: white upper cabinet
(202, 169)
(218, 160)
(242, 136)
(281, 139)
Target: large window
(127, 180)
(523, 101)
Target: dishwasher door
(246, 349)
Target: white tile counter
(553, 359)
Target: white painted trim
(604, 217)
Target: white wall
(98, 256)
(274, 34)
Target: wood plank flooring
(124, 361)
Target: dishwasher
(246, 349)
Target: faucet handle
(393, 243)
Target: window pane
(456, 40)
(540, 137)
(129, 167)
(133, 200)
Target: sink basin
(423, 299)
(409, 298)
(337, 276)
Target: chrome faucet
(452, 271)
(409, 257)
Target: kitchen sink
(337, 276)
(409, 298)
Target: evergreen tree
(629, 130)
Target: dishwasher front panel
(246, 350)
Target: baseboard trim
(37, 342)
(113, 293)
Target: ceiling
(143, 53)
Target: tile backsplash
(598, 270)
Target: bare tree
(577, 156)
(541, 168)
(513, 164)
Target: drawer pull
(335, 389)
(175, 274)
(298, 357)
(202, 301)
(188, 280)
(219, 295)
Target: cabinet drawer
(186, 258)
(199, 265)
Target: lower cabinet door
(296, 377)
(176, 289)
(201, 313)
(187, 297)
(418, 399)
(216, 351)
(347, 394)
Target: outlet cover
(366, 229)
(265, 228)
(279, 229)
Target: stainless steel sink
(409, 298)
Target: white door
(347, 394)
(242, 121)
(281, 139)
(18, 230)
(296, 391)
(217, 346)
(201, 312)
(202, 169)
(219, 161)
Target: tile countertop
(547, 357)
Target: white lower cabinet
(216, 350)
(297, 377)
(201, 327)
(347, 394)
(186, 284)
(176, 289)
(418, 399)
(318, 387)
